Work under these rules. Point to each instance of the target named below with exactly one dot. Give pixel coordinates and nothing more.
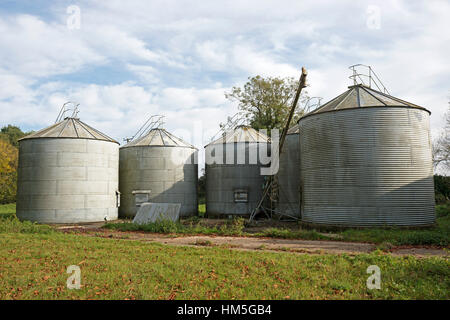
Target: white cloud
(213, 54)
(254, 62)
(188, 98)
(145, 73)
(117, 43)
(33, 48)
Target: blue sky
(130, 59)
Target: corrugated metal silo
(365, 160)
(160, 168)
(234, 184)
(287, 177)
(68, 173)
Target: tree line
(9, 158)
(441, 160)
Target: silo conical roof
(361, 96)
(294, 129)
(159, 138)
(242, 134)
(70, 128)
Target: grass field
(34, 259)
(7, 210)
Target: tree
(201, 186)
(12, 134)
(441, 147)
(266, 102)
(442, 189)
(9, 156)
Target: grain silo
(287, 177)
(68, 173)
(365, 160)
(158, 167)
(234, 183)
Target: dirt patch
(262, 225)
(420, 251)
(254, 243)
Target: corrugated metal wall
(67, 180)
(170, 173)
(223, 179)
(367, 167)
(288, 177)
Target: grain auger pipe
(301, 85)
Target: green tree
(9, 156)
(12, 134)
(201, 186)
(442, 189)
(266, 102)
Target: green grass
(443, 210)
(9, 222)
(34, 267)
(7, 210)
(439, 235)
(194, 226)
(34, 260)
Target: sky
(124, 61)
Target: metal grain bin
(365, 160)
(161, 168)
(234, 184)
(68, 173)
(287, 177)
